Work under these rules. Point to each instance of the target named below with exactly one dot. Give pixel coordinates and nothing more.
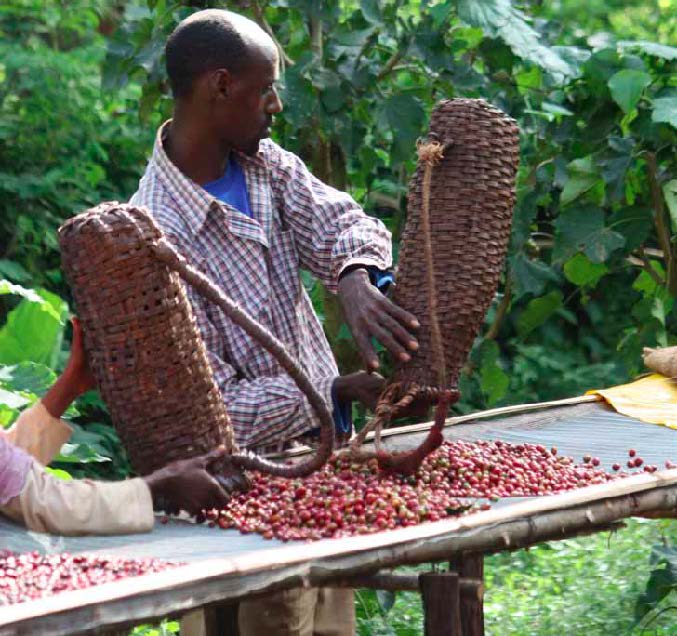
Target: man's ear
(219, 83)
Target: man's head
(223, 67)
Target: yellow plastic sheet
(652, 399)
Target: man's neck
(194, 151)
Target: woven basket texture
(472, 196)
(142, 342)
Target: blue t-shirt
(231, 188)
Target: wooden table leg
(441, 603)
(471, 565)
(221, 620)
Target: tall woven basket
(460, 205)
(145, 349)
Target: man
(250, 215)
(33, 497)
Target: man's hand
(77, 370)
(369, 313)
(75, 379)
(359, 387)
(187, 485)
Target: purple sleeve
(14, 466)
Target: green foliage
(591, 585)
(64, 145)
(33, 328)
(662, 580)
(35, 331)
(166, 628)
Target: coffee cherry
(346, 498)
(30, 576)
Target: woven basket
(452, 252)
(136, 316)
(145, 349)
(472, 194)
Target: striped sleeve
(331, 230)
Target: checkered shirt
(297, 223)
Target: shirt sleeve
(79, 507)
(263, 410)
(331, 230)
(39, 433)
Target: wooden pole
(221, 619)
(471, 564)
(441, 603)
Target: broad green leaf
(371, 10)
(27, 376)
(17, 290)
(498, 18)
(33, 331)
(574, 227)
(440, 12)
(582, 229)
(600, 245)
(14, 271)
(7, 415)
(634, 223)
(582, 176)
(13, 400)
(583, 272)
(627, 86)
(59, 473)
(79, 454)
(646, 284)
(578, 184)
(665, 111)
(670, 195)
(493, 379)
(530, 276)
(661, 308)
(404, 116)
(662, 580)
(537, 312)
(651, 48)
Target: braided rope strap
(393, 400)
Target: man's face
(246, 113)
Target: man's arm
(38, 433)
(331, 230)
(339, 243)
(79, 507)
(39, 430)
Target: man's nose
(275, 104)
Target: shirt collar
(193, 201)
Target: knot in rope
(430, 152)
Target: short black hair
(206, 41)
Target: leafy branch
(662, 229)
